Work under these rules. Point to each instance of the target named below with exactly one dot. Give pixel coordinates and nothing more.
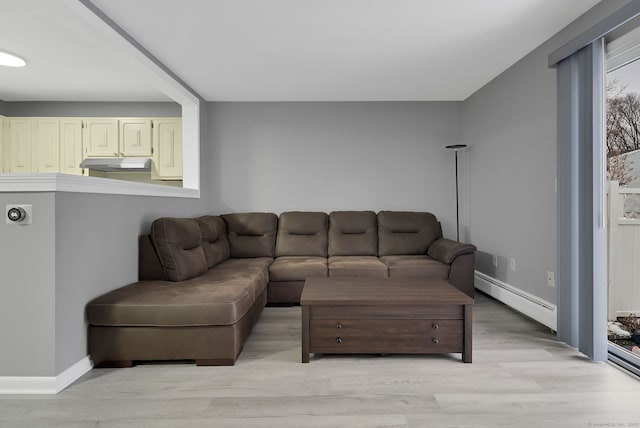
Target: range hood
(117, 164)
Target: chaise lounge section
(193, 302)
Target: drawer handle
(338, 325)
(435, 326)
(435, 341)
(338, 340)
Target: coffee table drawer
(386, 336)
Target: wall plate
(551, 279)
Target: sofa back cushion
(149, 266)
(406, 233)
(214, 239)
(353, 233)
(302, 234)
(251, 234)
(178, 244)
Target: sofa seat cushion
(256, 277)
(239, 264)
(418, 266)
(357, 266)
(298, 268)
(219, 297)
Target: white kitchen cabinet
(167, 149)
(135, 137)
(19, 142)
(117, 137)
(49, 144)
(45, 145)
(71, 153)
(100, 138)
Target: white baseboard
(523, 302)
(44, 384)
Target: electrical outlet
(551, 279)
(495, 261)
(512, 264)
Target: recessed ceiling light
(10, 60)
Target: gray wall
(2, 108)
(27, 291)
(335, 156)
(91, 109)
(78, 247)
(510, 126)
(96, 249)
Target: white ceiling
(68, 58)
(277, 50)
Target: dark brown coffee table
(384, 316)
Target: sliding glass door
(623, 201)
(598, 245)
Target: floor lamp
(455, 148)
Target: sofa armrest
(446, 250)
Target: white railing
(624, 250)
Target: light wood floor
(520, 377)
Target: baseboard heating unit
(534, 307)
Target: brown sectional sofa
(204, 282)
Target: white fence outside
(624, 250)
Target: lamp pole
(455, 148)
